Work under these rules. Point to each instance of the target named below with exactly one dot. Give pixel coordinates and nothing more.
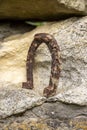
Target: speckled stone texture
(67, 110)
(49, 116)
(71, 36)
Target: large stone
(14, 100)
(41, 9)
(72, 96)
(49, 116)
(71, 36)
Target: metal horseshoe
(55, 64)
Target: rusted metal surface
(55, 65)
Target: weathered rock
(42, 9)
(72, 96)
(14, 100)
(49, 116)
(71, 36)
(75, 4)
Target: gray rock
(71, 35)
(14, 100)
(42, 9)
(49, 116)
(59, 110)
(73, 96)
(75, 4)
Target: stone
(49, 116)
(17, 100)
(42, 9)
(76, 96)
(75, 4)
(71, 36)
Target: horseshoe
(55, 64)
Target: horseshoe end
(49, 91)
(26, 85)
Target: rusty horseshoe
(55, 63)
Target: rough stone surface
(75, 4)
(49, 116)
(14, 100)
(71, 36)
(72, 96)
(42, 9)
(17, 105)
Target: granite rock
(15, 100)
(48, 116)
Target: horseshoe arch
(55, 63)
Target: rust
(55, 64)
